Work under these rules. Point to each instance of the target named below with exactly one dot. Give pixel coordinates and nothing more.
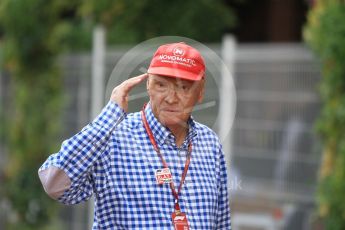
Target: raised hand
(120, 93)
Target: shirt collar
(162, 134)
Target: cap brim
(176, 73)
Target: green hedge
(32, 34)
(325, 32)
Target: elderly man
(154, 169)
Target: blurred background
(285, 150)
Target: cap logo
(177, 51)
(177, 60)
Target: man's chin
(172, 122)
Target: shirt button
(187, 181)
(182, 153)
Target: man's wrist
(111, 115)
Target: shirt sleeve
(223, 212)
(67, 175)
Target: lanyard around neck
(165, 165)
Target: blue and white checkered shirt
(113, 159)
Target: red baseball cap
(178, 60)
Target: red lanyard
(165, 165)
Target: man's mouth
(172, 110)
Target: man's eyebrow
(159, 80)
(185, 82)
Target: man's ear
(148, 85)
(202, 90)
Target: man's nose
(171, 96)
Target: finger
(130, 83)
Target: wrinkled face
(172, 100)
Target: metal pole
(98, 86)
(226, 109)
(98, 70)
